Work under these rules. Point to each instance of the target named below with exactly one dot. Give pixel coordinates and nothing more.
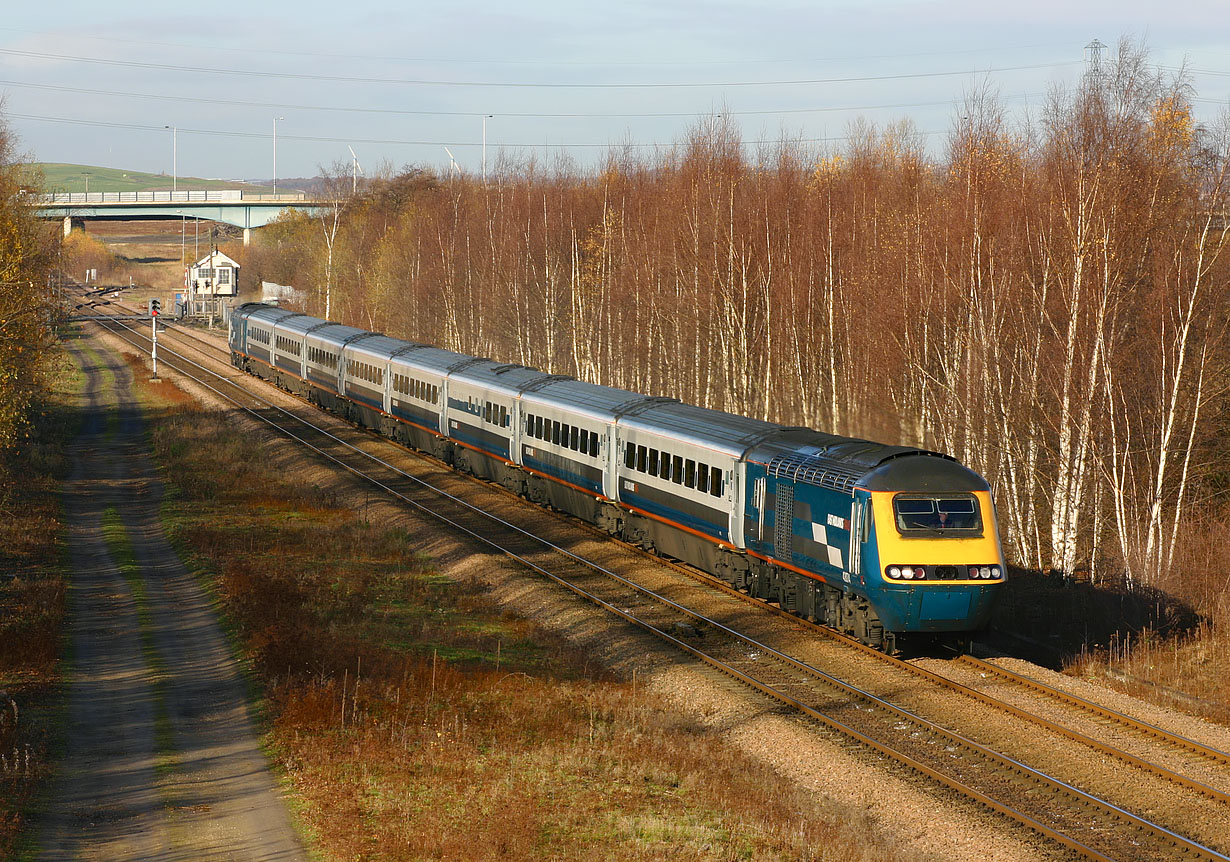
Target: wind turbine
(456, 169)
(355, 170)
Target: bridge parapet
(164, 197)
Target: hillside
(59, 177)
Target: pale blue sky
(96, 83)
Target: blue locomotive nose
(936, 608)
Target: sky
(199, 89)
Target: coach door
(856, 536)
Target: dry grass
(1180, 655)
(416, 721)
(32, 607)
(1189, 672)
(1145, 641)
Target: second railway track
(939, 746)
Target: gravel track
(161, 759)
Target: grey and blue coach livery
(877, 541)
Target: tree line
(1046, 300)
(28, 259)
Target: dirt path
(161, 760)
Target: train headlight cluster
(944, 573)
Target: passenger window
(593, 444)
(630, 456)
(584, 441)
(715, 482)
(503, 417)
(575, 441)
(689, 473)
(529, 424)
(640, 458)
(665, 473)
(702, 478)
(555, 432)
(538, 427)
(653, 462)
(677, 469)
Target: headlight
(894, 571)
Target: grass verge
(119, 546)
(33, 599)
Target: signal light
(155, 307)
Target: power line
(539, 62)
(394, 142)
(522, 84)
(519, 114)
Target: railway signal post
(155, 308)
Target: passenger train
(874, 540)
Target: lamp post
(174, 158)
(486, 117)
(275, 153)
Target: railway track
(1057, 809)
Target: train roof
(434, 360)
(509, 377)
(920, 472)
(842, 463)
(603, 403)
(376, 346)
(258, 311)
(713, 429)
(336, 334)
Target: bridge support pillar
(247, 236)
(71, 224)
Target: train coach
(876, 541)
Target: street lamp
(275, 153)
(174, 158)
(486, 117)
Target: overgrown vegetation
(32, 607)
(415, 721)
(34, 425)
(28, 251)
(1045, 301)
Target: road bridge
(231, 206)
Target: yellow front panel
(896, 549)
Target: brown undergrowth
(32, 607)
(415, 720)
(1142, 641)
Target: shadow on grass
(1049, 619)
